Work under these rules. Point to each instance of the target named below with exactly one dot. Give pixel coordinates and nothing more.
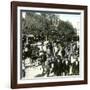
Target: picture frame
(29, 21)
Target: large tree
(49, 26)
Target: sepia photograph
(50, 44)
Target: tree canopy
(49, 26)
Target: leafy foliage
(49, 26)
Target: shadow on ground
(40, 75)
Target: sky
(74, 19)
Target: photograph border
(14, 5)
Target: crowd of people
(54, 58)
